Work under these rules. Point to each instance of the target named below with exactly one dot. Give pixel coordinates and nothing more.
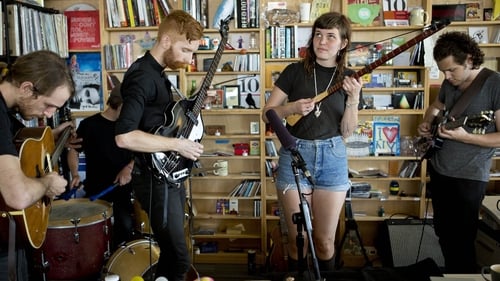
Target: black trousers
(165, 204)
(456, 204)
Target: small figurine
(250, 101)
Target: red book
(83, 30)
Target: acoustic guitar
(38, 155)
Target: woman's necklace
(317, 112)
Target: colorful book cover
(366, 13)
(84, 32)
(386, 139)
(86, 70)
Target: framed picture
(273, 71)
(406, 78)
(487, 14)
(479, 34)
(231, 96)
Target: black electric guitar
(183, 120)
(294, 118)
(479, 122)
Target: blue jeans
(326, 160)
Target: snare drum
(78, 237)
(136, 258)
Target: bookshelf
(234, 126)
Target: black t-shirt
(297, 85)
(103, 158)
(8, 128)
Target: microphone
(288, 142)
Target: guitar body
(171, 164)
(479, 123)
(35, 144)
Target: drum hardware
(106, 227)
(76, 235)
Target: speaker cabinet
(408, 241)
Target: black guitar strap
(474, 87)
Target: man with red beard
(147, 96)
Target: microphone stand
(303, 219)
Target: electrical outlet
(371, 251)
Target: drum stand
(303, 221)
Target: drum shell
(133, 259)
(77, 252)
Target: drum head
(87, 212)
(136, 258)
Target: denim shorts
(326, 160)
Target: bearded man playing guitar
(459, 169)
(34, 86)
(147, 95)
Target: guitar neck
(201, 95)
(61, 142)
(294, 118)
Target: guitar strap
(11, 251)
(474, 87)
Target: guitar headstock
(480, 122)
(224, 26)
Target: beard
(26, 108)
(170, 60)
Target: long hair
(328, 21)
(45, 69)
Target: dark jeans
(456, 204)
(166, 213)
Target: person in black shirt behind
(106, 164)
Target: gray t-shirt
(462, 160)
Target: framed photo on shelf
(479, 34)
(487, 14)
(273, 71)
(406, 78)
(231, 96)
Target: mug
(494, 270)
(419, 17)
(222, 168)
(305, 11)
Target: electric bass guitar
(183, 120)
(38, 155)
(478, 122)
(294, 118)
